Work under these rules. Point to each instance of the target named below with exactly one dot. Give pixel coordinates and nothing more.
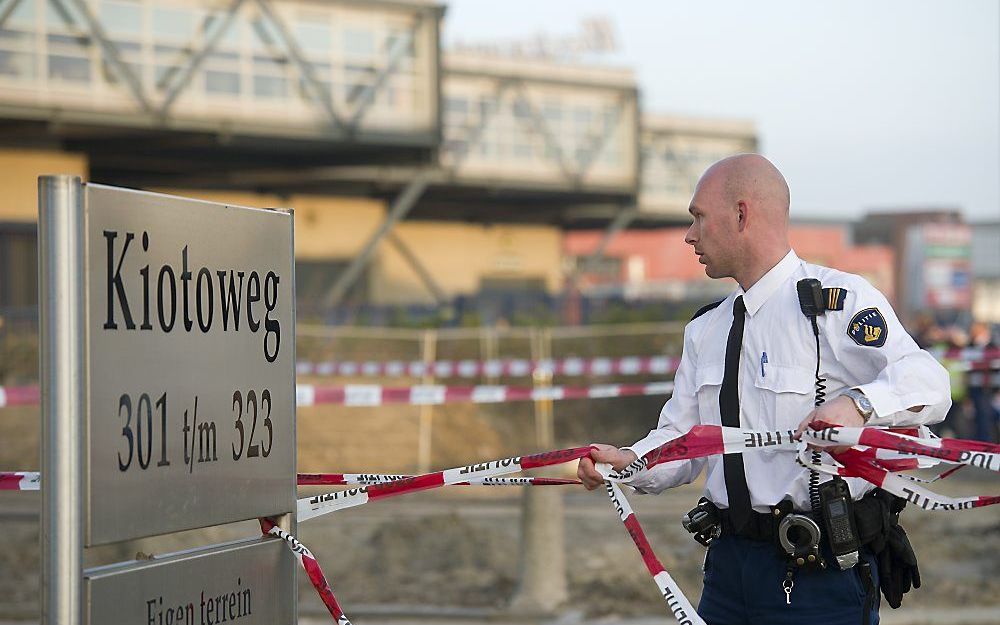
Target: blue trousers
(986, 415)
(743, 587)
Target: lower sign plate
(249, 582)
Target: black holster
(877, 519)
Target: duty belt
(761, 526)
(872, 514)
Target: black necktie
(729, 406)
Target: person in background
(982, 383)
(950, 343)
(927, 334)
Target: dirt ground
(443, 551)
(443, 554)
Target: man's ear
(742, 214)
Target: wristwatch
(861, 402)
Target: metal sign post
(61, 253)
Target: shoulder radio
(831, 501)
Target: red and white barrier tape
(985, 379)
(419, 395)
(928, 480)
(20, 480)
(710, 440)
(347, 479)
(975, 359)
(27, 480)
(977, 362)
(701, 441)
(432, 395)
(967, 353)
(628, 365)
(679, 605)
(367, 395)
(950, 450)
(707, 440)
(851, 464)
(311, 507)
(19, 396)
(311, 567)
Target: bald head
(754, 179)
(740, 207)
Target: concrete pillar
(542, 585)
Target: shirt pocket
(708, 383)
(787, 395)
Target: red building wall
(665, 257)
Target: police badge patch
(868, 328)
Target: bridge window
(456, 108)
(69, 54)
(222, 73)
(270, 87)
(173, 24)
(611, 154)
(522, 110)
(17, 64)
(222, 82)
(359, 43)
(23, 15)
(553, 116)
(121, 18)
(583, 116)
(234, 30)
(17, 44)
(314, 36)
(270, 79)
(71, 68)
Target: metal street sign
(190, 352)
(246, 583)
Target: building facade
(677, 150)
(657, 263)
(420, 175)
(986, 272)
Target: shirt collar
(769, 283)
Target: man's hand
(617, 458)
(839, 411)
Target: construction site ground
(453, 555)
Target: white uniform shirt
(777, 379)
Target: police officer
(750, 361)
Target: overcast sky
(861, 104)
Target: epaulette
(834, 297)
(707, 307)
